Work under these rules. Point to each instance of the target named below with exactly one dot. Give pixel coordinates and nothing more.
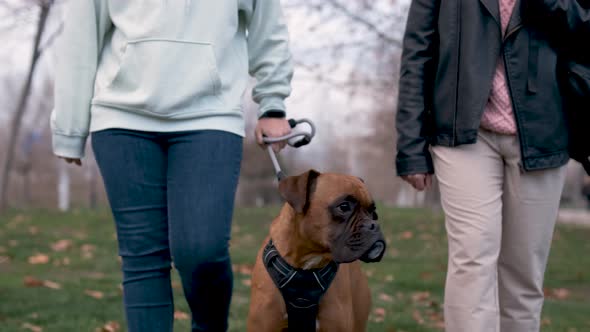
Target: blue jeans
(172, 197)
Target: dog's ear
(297, 190)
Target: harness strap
(302, 290)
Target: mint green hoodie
(166, 65)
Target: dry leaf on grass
(31, 327)
(557, 293)
(33, 230)
(39, 259)
(88, 251)
(4, 259)
(29, 281)
(418, 317)
(407, 235)
(545, 322)
(51, 284)
(420, 296)
(95, 294)
(379, 314)
(385, 298)
(61, 245)
(388, 278)
(111, 326)
(181, 315)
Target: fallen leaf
(389, 278)
(65, 261)
(13, 243)
(33, 230)
(30, 281)
(545, 322)
(245, 269)
(420, 296)
(379, 315)
(51, 284)
(385, 298)
(418, 317)
(407, 235)
(31, 327)
(393, 253)
(557, 293)
(39, 259)
(180, 315)
(369, 273)
(426, 276)
(61, 245)
(88, 251)
(247, 282)
(4, 259)
(95, 294)
(111, 326)
(2, 250)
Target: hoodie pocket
(165, 78)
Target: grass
(407, 285)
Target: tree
(44, 7)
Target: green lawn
(75, 283)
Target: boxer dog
(307, 275)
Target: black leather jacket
(451, 49)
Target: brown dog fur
(303, 240)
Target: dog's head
(337, 213)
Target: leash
(306, 139)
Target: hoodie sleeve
(269, 56)
(85, 24)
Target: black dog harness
(301, 289)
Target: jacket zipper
(508, 33)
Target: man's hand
(272, 127)
(419, 181)
(75, 161)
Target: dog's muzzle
(375, 253)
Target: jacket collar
(493, 7)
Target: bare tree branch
(362, 20)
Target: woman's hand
(419, 181)
(76, 161)
(272, 127)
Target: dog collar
(301, 289)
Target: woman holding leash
(480, 107)
(158, 86)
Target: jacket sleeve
(415, 85)
(85, 25)
(269, 56)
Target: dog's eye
(345, 207)
(375, 216)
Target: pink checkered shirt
(498, 115)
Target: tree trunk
(21, 106)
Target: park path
(574, 217)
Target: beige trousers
(499, 222)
